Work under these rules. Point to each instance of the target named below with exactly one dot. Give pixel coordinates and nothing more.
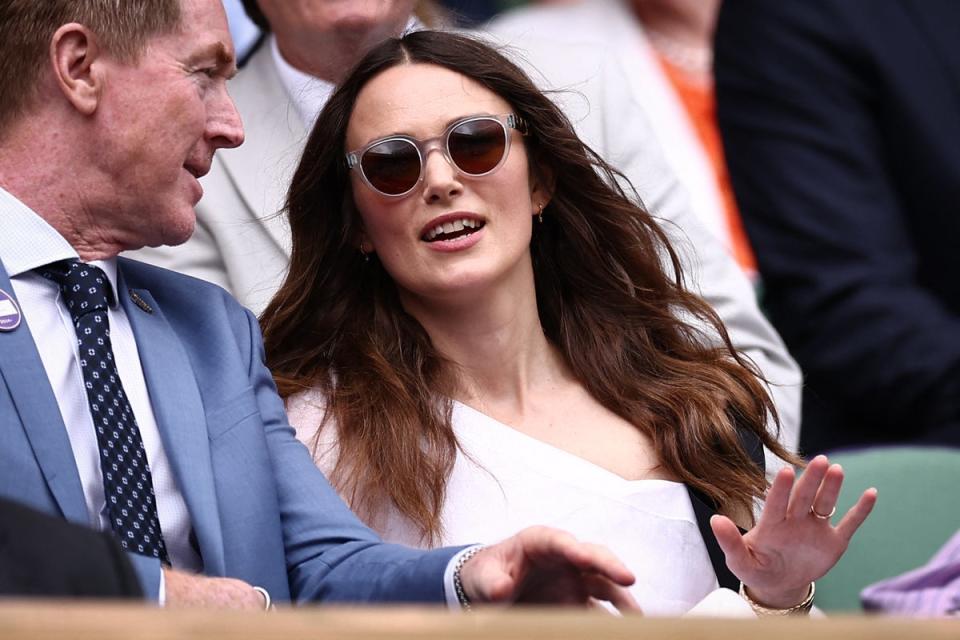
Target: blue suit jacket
(261, 510)
(841, 125)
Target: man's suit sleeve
(330, 554)
(798, 112)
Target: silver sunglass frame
(506, 121)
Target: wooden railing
(50, 620)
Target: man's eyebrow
(223, 56)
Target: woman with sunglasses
(482, 330)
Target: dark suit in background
(41, 555)
(841, 123)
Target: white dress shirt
(28, 242)
(307, 93)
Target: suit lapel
(262, 167)
(22, 370)
(179, 412)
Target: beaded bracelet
(462, 597)
(803, 608)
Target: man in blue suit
(134, 399)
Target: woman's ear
(541, 191)
(363, 243)
(75, 56)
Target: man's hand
(540, 565)
(191, 590)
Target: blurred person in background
(666, 50)
(841, 123)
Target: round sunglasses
(475, 146)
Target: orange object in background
(699, 102)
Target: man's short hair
(122, 28)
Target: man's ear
(73, 53)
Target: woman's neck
(498, 346)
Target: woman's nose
(441, 179)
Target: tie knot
(85, 288)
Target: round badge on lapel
(9, 312)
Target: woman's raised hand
(793, 542)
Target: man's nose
(225, 129)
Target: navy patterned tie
(127, 484)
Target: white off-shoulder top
(505, 480)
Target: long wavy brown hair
(610, 296)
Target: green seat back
(917, 511)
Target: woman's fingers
(778, 497)
(857, 514)
(805, 489)
(731, 543)
(826, 500)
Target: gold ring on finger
(817, 514)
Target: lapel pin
(9, 312)
(140, 302)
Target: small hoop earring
(540, 214)
(366, 256)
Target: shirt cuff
(448, 589)
(162, 597)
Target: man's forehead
(204, 20)
(203, 35)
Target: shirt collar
(28, 241)
(308, 93)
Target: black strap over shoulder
(704, 508)
(750, 442)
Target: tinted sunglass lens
(392, 167)
(477, 146)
